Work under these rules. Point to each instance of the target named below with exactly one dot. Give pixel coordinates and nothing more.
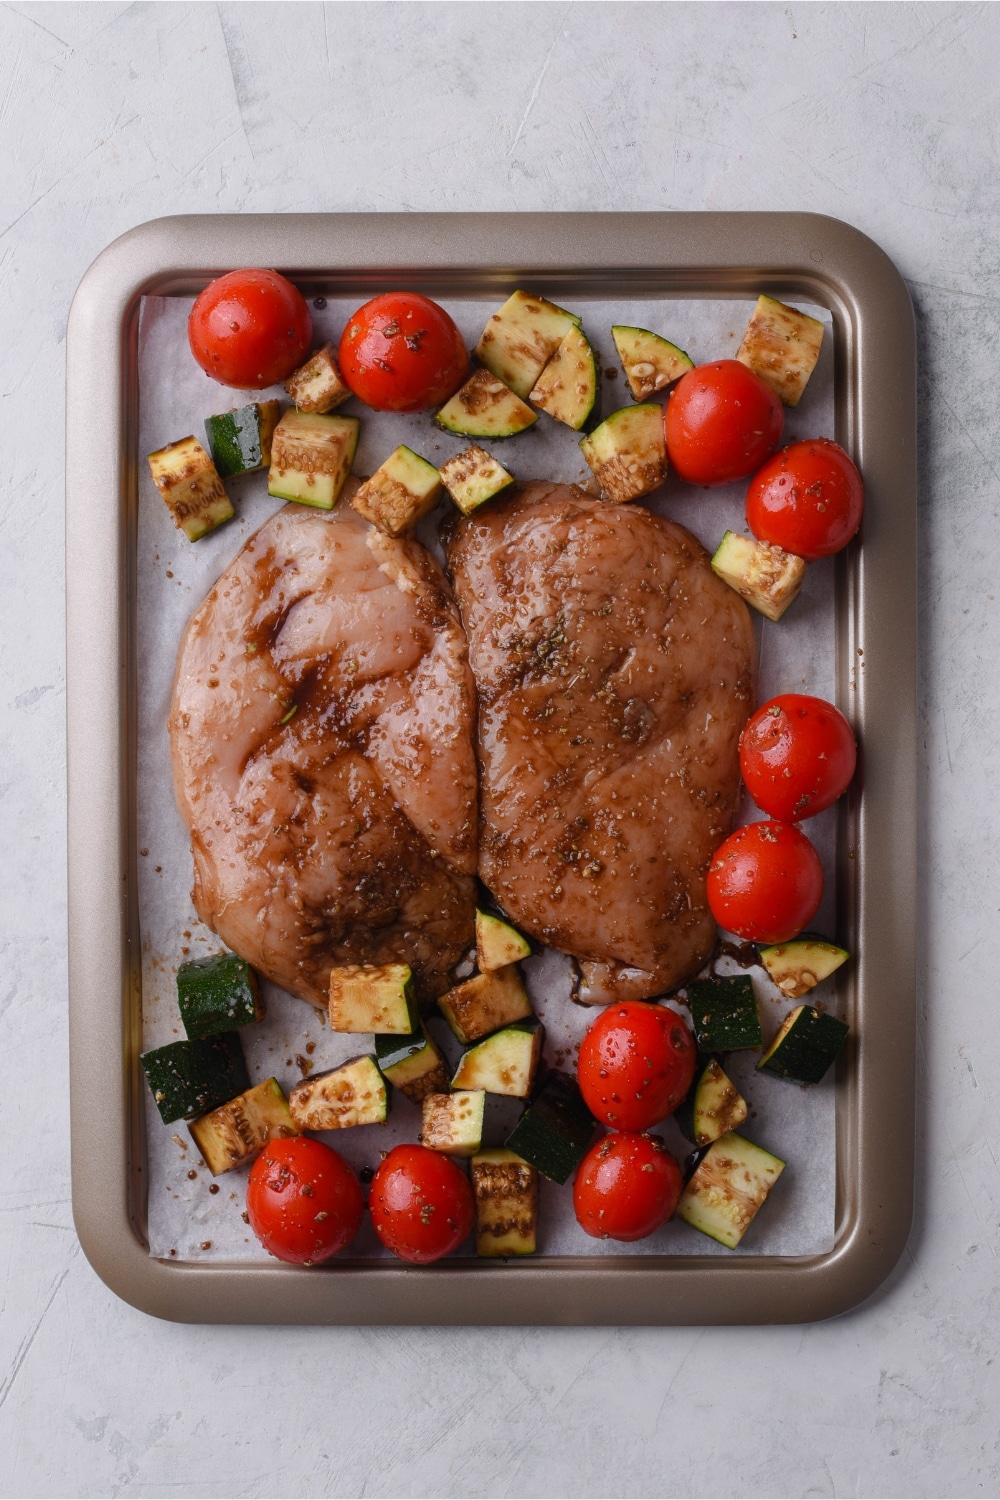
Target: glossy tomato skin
(721, 423)
(402, 352)
(636, 1064)
(808, 499)
(421, 1204)
(250, 329)
(626, 1187)
(797, 756)
(304, 1203)
(765, 882)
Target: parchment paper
(190, 1216)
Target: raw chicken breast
(321, 730)
(614, 672)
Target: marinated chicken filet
(321, 731)
(614, 672)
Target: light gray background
(885, 115)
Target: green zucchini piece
(375, 998)
(238, 1131)
(806, 1043)
(498, 943)
(718, 1105)
(353, 1094)
(191, 487)
(650, 362)
(505, 1188)
(412, 1064)
(318, 386)
(240, 440)
(311, 457)
(484, 407)
(505, 1063)
(521, 337)
(453, 1123)
(567, 387)
(781, 346)
(800, 965)
(486, 1002)
(186, 1078)
(764, 575)
(400, 493)
(628, 452)
(555, 1130)
(472, 477)
(218, 994)
(728, 1187)
(724, 1014)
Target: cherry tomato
(250, 329)
(765, 882)
(626, 1187)
(303, 1201)
(401, 352)
(797, 755)
(807, 499)
(421, 1204)
(721, 423)
(636, 1064)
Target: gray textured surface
(886, 116)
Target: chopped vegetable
(763, 575)
(806, 1044)
(187, 1078)
(718, 1105)
(400, 493)
(317, 385)
(373, 998)
(724, 1014)
(353, 1094)
(521, 337)
(453, 1123)
(240, 440)
(498, 943)
(799, 966)
(650, 362)
(235, 1132)
(472, 477)
(486, 1002)
(729, 1186)
(567, 387)
(505, 1063)
(555, 1130)
(486, 408)
(412, 1064)
(628, 452)
(311, 457)
(218, 994)
(781, 345)
(506, 1192)
(191, 487)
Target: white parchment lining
(190, 1217)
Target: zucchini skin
(217, 994)
(724, 1015)
(188, 1078)
(806, 1045)
(555, 1131)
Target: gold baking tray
(658, 254)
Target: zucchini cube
(729, 1186)
(807, 1043)
(472, 477)
(567, 387)
(400, 493)
(240, 440)
(374, 998)
(486, 1002)
(217, 994)
(628, 453)
(485, 408)
(724, 1015)
(412, 1064)
(719, 1107)
(781, 346)
(555, 1130)
(353, 1094)
(311, 457)
(764, 575)
(453, 1123)
(318, 386)
(650, 362)
(498, 943)
(237, 1132)
(800, 965)
(191, 487)
(505, 1188)
(505, 1063)
(187, 1078)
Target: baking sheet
(187, 1220)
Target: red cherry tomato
(401, 352)
(765, 882)
(626, 1187)
(636, 1064)
(421, 1204)
(721, 423)
(250, 329)
(797, 755)
(807, 499)
(303, 1201)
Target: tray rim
(687, 254)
